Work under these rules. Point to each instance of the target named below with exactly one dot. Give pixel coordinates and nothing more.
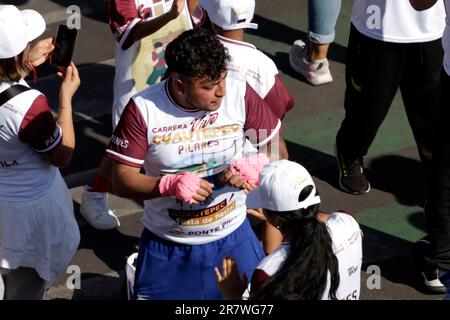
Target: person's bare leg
(104, 171)
(317, 51)
(94, 206)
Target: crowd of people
(220, 103)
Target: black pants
(437, 210)
(374, 72)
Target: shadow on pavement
(394, 257)
(280, 32)
(113, 247)
(401, 176)
(100, 287)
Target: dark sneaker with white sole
(433, 278)
(351, 175)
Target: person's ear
(179, 85)
(276, 221)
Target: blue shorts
(167, 270)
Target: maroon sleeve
(39, 128)
(260, 122)
(129, 143)
(258, 279)
(121, 13)
(279, 99)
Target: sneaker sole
(435, 285)
(83, 214)
(320, 80)
(340, 177)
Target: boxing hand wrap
(182, 185)
(249, 167)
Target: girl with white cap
(38, 231)
(321, 254)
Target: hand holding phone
(40, 51)
(64, 47)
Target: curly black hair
(197, 53)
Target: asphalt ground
(391, 215)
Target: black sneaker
(432, 278)
(351, 175)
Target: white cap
(17, 29)
(230, 14)
(280, 184)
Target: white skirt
(41, 234)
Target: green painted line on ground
(404, 222)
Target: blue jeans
(322, 17)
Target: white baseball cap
(280, 184)
(230, 14)
(17, 29)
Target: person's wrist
(65, 102)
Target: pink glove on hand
(249, 167)
(182, 185)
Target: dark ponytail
(311, 257)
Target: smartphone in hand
(64, 47)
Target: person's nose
(221, 89)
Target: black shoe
(433, 279)
(351, 175)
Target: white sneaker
(316, 72)
(94, 209)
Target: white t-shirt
(446, 39)
(347, 246)
(156, 133)
(27, 130)
(249, 64)
(397, 21)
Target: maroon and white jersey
(156, 133)
(251, 65)
(27, 131)
(347, 246)
(124, 15)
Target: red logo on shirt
(209, 119)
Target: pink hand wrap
(249, 167)
(182, 185)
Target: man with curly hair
(184, 131)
